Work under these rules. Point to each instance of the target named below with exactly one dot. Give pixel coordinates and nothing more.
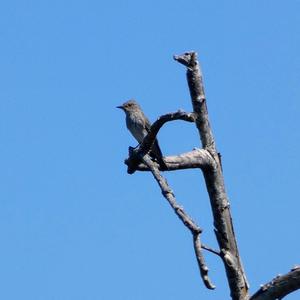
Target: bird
(139, 126)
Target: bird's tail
(156, 154)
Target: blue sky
(73, 224)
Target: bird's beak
(121, 107)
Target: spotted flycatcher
(139, 126)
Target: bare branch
(195, 82)
(197, 158)
(209, 249)
(215, 182)
(186, 220)
(280, 286)
(149, 139)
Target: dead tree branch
(197, 158)
(215, 182)
(280, 286)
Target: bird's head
(129, 105)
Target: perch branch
(197, 158)
(280, 286)
(215, 182)
(149, 139)
(186, 220)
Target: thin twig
(209, 249)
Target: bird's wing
(147, 124)
(155, 151)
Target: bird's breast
(136, 126)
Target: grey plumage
(139, 126)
